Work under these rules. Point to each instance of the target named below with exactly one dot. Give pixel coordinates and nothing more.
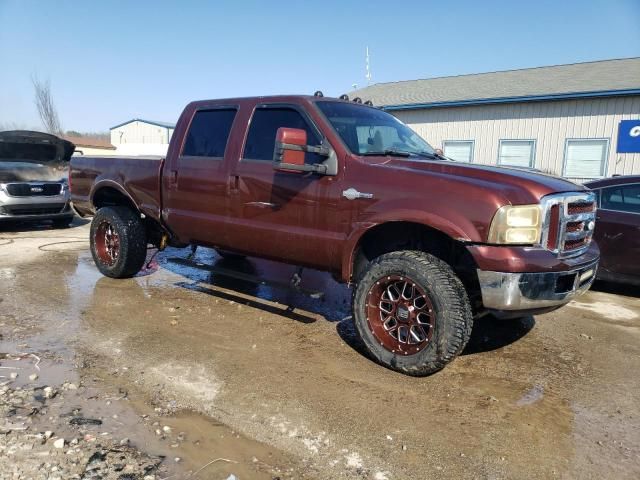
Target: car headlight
(516, 224)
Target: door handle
(270, 205)
(173, 177)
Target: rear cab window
(264, 125)
(208, 133)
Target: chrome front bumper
(530, 291)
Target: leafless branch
(46, 107)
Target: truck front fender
(446, 221)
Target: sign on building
(629, 136)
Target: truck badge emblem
(37, 189)
(352, 194)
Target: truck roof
(270, 98)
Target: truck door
(618, 229)
(196, 201)
(286, 216)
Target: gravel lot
(178, 373)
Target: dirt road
(275, 381)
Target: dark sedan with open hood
(33, 177)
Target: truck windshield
(369, 131)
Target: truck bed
(139, 178)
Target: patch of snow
(607, 310)
(353, 460)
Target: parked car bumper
(539, 288)
(52, 207)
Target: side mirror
(290, 143)
(290, 147)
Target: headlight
(516, 224)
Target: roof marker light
(318, 93)
(344, 96)
(357, 100)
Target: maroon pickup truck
(341, 186)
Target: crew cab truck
(337, 185)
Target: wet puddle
(83, 400)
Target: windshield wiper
(433, 156)
(387, 153)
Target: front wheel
(412, 312)
(118, 242)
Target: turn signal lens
(516, 224)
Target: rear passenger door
(196, 203)
(618, 229)
(281, 215)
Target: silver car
(33, 177)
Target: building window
(585, 158)
(458, 150)
(516, 153)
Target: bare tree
(46, 108)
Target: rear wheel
(118, 242)
(412, 312)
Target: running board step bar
(247, 277)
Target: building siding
(140, 132)
(550, 124)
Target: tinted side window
(611, 198)
(264, 125)
(624, 199)
(208, 133)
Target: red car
(618, 228)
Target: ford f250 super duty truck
(337, 185)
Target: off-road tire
(132, 241)
(453, 314)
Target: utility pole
(368, 75)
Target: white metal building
(561, 119)
(142, 137)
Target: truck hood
(517, 186)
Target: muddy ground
(258, 382)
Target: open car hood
(34, 147)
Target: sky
(110, 61)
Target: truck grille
(34, 189)
(569, 222)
